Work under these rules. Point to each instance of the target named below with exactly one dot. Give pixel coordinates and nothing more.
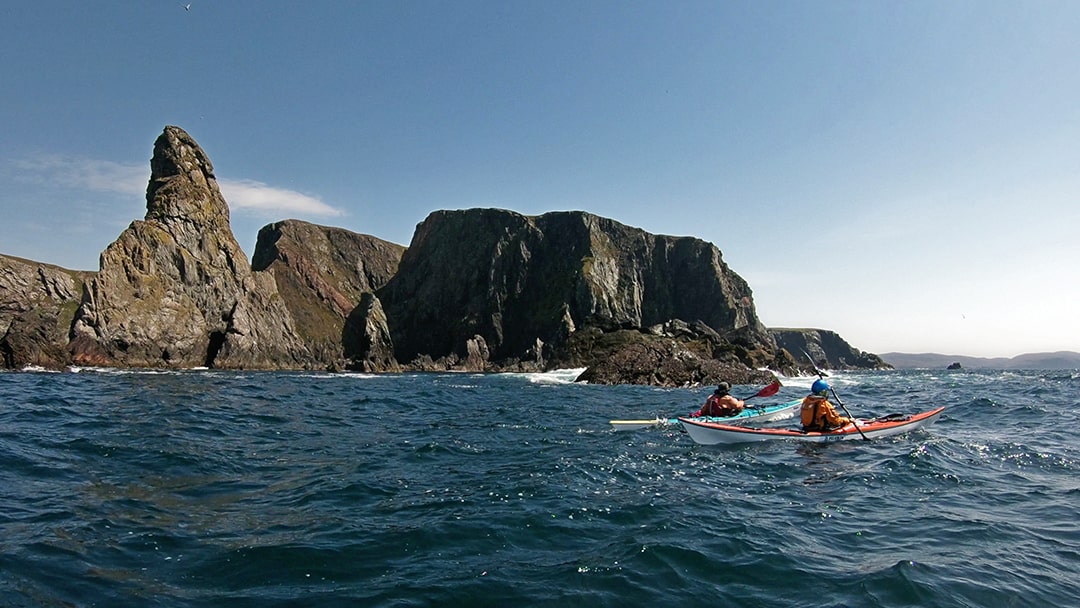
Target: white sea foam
(38, 369)
(558, 376)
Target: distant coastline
(1064, 359)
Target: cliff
(493, 289)
(322, 275)
(37, 305)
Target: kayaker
(817, 413)
(720, 403)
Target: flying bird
(187, 7)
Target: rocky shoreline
(479, 290)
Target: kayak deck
(757, 414)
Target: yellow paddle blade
(631, 425)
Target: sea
(208, 488)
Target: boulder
(645, 357)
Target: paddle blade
(770, 390)
(633, 425)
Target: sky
(906, 174)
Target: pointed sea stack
(175, 290)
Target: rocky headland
(476, 290)
(826, 347)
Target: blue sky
(904, 173)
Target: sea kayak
(757, 414)
(711, 433)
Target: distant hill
(1059, 360)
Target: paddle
(631, 425)
(768, 391)
(821, 375)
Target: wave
(558, 376)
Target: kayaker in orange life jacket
(817, 413)
(720, 403)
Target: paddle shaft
(756, 407)
(844, 407)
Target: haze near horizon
(905, 175)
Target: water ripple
(253, 489)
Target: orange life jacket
(719, 406)
(817, 414)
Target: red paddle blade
(770, 390)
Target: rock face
(493, 283)
(175, 290)
(322, 275)
(37, 305)
(827, 348)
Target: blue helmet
(820, 387)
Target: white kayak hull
(710, 433)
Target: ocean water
(207, 488)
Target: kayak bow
(712, 433)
